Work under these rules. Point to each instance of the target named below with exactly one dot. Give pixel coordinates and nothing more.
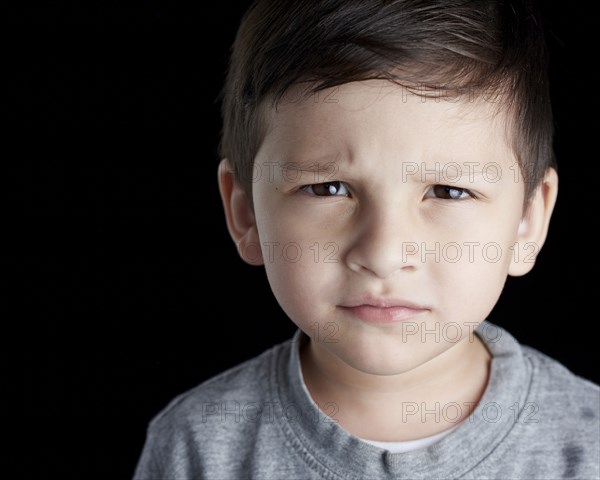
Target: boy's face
(387, 222)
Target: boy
(389, 163)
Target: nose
(384, 243)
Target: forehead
(378, 111)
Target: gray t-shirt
(536, 420)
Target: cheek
(303, 288)
(475, 260)
(469, 288)
(301, 256)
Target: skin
(329, 238)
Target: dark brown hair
(475, 47)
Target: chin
(382, 361)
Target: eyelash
(335, 187)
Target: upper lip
(382, 302)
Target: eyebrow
(301, 166)
(310, 164)
(451, 171)
(325, 165)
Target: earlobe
(239, 215)
(534, 225)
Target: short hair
(473, 47)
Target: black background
(114, 221)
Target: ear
(533, 228)
(239, 215)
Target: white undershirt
(407, 446)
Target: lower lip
(371, 314)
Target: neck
(424, 401)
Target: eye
(328, 189)
(446, 192)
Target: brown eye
(447, 192)
(328, 189)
